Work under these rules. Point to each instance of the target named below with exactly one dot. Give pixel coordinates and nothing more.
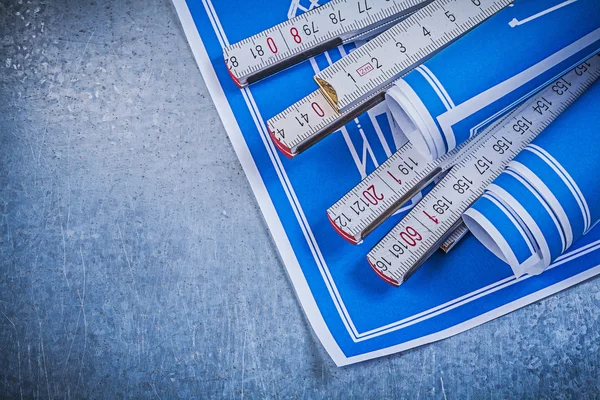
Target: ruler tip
(341, 232)
(386, 278)
(234, 78)
(280, 146)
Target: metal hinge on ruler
(359, 80)
(410, 243)
(379, 62)
(385, 190)
(312, 33)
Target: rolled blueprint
(491, 69)
(548, 196)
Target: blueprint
(355, 314)
(546, 198)
(481, 76)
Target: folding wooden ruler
(358, 81)
(395, 182)
(410, 243)
(311, 33)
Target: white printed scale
(366, 70)
(381, 193)
(311, 33)
(311, 119)
(410, 243)
(359, 80)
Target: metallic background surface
(134, 261)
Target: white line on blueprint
(436, 85)
(361, 163)
(295, 6)
(515, 22)
(286, 184)
(316, 252)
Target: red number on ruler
(295, 35)
(434, 219)
(411, 236)
(317, 109)
(272, 45)
(394, 178)
(371, 195)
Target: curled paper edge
(487, 234)
(415, 120)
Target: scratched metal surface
(134, 259)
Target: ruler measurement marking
(297, 137)
(329, 24)
(410, 186)
(415, 175)
(561, 98)
(284, 41)
(336, 77)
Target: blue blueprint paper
(355, 314)
(497, 65)
(549, 195)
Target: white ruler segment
(381, 193)
(313, 118)
(366, 70)
(408, 245)
(306, 122)
(311, 33)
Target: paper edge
(259, 189)
(483, 318)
